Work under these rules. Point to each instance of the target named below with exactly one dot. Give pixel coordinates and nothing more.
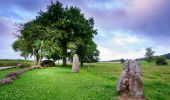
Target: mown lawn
(96, 82)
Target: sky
(125, 27)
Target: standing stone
(130, 84)
(75, 65)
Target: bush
(122, 60)
(24, 65)
(161, 60)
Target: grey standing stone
(75, 65)
(130, 84)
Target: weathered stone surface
(7, 80)
(75, 65)
(47, 63)
(12, 75)
(130, 84)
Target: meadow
(11, 62)
(96, 81)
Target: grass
(4, 72)
(8, 62)
(96, 82)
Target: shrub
(122, 60)
(24, 65)
(161, 60)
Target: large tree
(88, 53)
(35, 40)
(27, 42)
(65, 29)
(71, 24)
(149, 54)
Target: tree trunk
(40, 54)
(37, 58)
(81, 63)
(64, 55)
(40, 57)
(64, 62)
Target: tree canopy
(58, 33)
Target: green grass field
(96, 82)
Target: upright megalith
(75, 65)
(130, 84)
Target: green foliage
(88, 53)
(56, 31)
(161, 60)
(28, 42)
(122, 60)
(75, 30)
(149, 54)
(25, 65)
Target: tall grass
(8, 62)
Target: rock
(7, 80)
(130, 84)
(75, 65)
(13, 75)
(47, 63)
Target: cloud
(9, 54)
(7, 38)
(28, 5)
(147, 18)
(123, 40)
(5, 26)
(110, 54)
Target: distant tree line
(159, 60)
(149, 57)
(58, 33)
